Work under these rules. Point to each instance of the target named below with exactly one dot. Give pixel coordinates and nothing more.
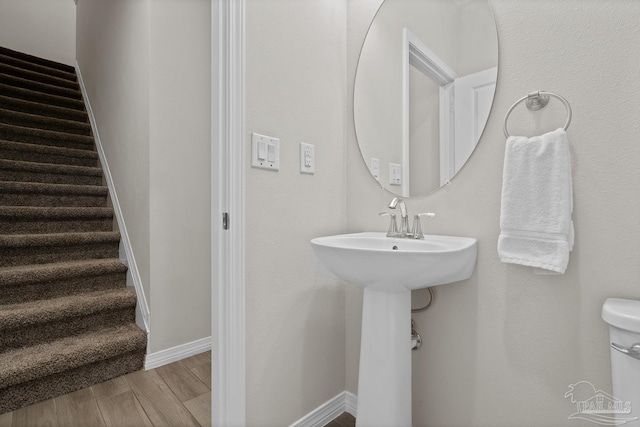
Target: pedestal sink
(388, 269)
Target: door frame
(416, 53)
(227, 197)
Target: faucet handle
(417, 226)
(393, 226)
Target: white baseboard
(173, 354)
(126, 250)
(350, 403)
(328, 411)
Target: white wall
(501, 348)
(113, 56)
(44, 28)
(180, 171)
(146, 66)
(295, 90)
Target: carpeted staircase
(67, 318)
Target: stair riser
(37, 122)
(25, 394)
(32, 137)
(14, 256)
(30, 156)
(40, 225)
(39, 291)
(43, 110)
(51, 200)
(26, 65)
(39, 334)
(37, 76)
(40, 87)
(26, 95)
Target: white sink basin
(388, 269)
(375, 261)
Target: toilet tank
(623, 317)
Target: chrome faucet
(403, 231)
(404, 216)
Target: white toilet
(623, 317)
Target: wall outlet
(307, 158)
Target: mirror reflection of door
(394, 124)
(424, 134)
(444, 116)
(473, 99)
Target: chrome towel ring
(536, 101)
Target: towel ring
(537, 101)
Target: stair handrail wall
(126, 250)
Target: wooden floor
(344, 420)
(174, 395)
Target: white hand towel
(537, 201)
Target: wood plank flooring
(344, 420)
(174, 395)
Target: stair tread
(60, 270)
(20, 63)
(49, 134)
(51, 239)
(37, 76)
(48, 149)
(45, 188)
(25, 364)
(48, 98)
(30, 313)
(10, 117)
(55, 212)
(46, 110)
(50, 167)
(40, 87)
(37, 60)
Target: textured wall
(295, 90)
(180, 171)
(44, 28)
(501, 348)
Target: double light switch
(265, 152)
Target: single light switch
(271, 156)
(265, 152)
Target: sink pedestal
(389, 268)
(384, 380)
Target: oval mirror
(423, 91)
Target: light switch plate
(395, 174)
(375, 168)
(265, 152)
(307, 158)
